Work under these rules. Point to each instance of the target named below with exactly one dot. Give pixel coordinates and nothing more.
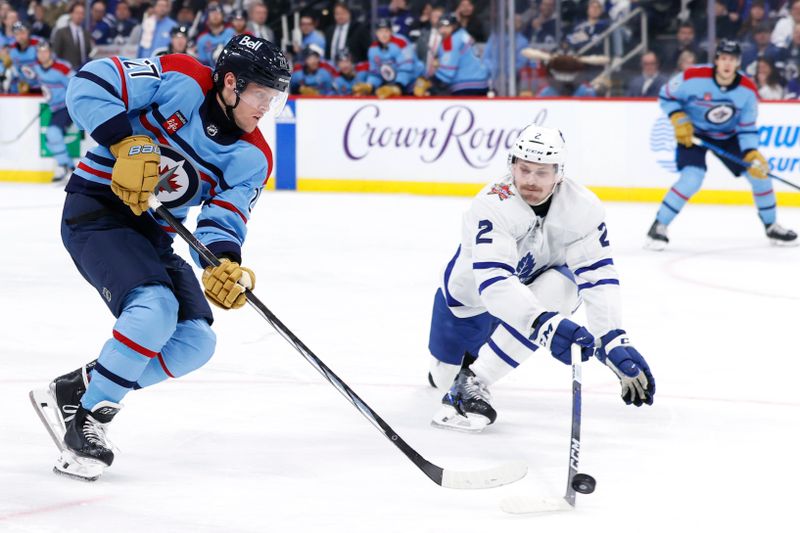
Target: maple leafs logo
(525, 268)
(503, 191)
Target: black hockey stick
(482, 479)
(576, 482)
(732, 158)
(21, 133)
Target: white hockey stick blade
(485, 479)
(528, 505)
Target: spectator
(346, 34)
(39, 26)
(685, 40)
(156, 29)
(187, 17)
(650, 81)
(768, 81)
(101, 24)
(428, 42)
(543, 27)
(465, 14)
(761, 47)
(727, 22)
(309, 35)
(686, 59)
(787, 60)
(239, 22)
(310, 78)
(350, 76)
(782, 33)
(7, 33)
(178, 42)
(584, 32)
(756, 18)
(459, 72)
(211, 42)
(124, 25)
(258, 22)
(23, 56)
(400, 17)
(73, 43)
(393, 65)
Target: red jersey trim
(447, 43)
(747, 82)
(257, 139)
(188, 66)
(698, 72)
(63, 68)
(122, 79)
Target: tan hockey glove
(225, 284)
(362, 89)
(421, 87)
(135, 172)
(388, 91)
(305, 90)
(684, 131)
(759, 168)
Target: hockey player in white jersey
(534, 246)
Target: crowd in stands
(420, 47)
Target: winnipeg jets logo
(720, 114)
(212, 130)
(503, 191)
(388, 73)
(178, 180)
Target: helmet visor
(265, 99)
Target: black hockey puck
(583, 483)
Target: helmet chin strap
(546, 198)
(229, 108)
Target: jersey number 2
(484, 227)
(604, 235)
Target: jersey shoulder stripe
(257, 139)
(698, 72)
(188, 66)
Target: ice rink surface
(257, 441)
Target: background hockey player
(459, 72)
(719, 105)
(53, 75)
(393, 64)
(349, 75)
(23, 57)
(533, 245)
(163, 124)
(312, 77)
(210, 42)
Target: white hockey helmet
(538, 144)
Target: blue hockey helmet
(253, 60)
(728, 46)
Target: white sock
(443, 374)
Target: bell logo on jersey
(249, 43)
(175, 122)
(502, 190)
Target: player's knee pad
(190, 347)
(149, 316)
(690, 181)
(557, 291)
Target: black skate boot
(780, 236)
(657, 237)
(86, 451)
(56, 405)
(466, 406)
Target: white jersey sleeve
(589, 259)
(492, 230)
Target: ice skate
(56, 405)
(657, 237)
(62, 174)
(87, 451)
(780, 236)
(466, 406)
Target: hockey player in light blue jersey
(23, 57)
(166, 126)
(53, 75)
(210, 42)
(534, 247)
(459, 70)
(313, 76)
(719, 105)
(350, 75)
(393, 65)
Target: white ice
(257, 441)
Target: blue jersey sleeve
(670, 97)
(448, 54)
(746, 127)
(104, 91)
(406, 65)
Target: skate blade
(44, 403)
(81, 468)
(526, 505)
(448, 418)
(784, 244)
(655, 245)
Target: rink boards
(621, 148)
